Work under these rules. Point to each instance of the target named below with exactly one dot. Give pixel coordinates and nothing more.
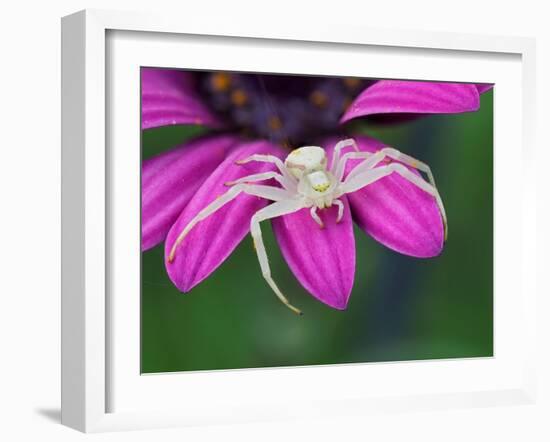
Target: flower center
(290, 110)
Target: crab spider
(307, 182)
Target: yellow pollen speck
(319, 99)
(321, 187)
(221, 81)
(239, 98)
(274, 123)
(352, 83)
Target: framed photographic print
(252, 212)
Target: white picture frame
(101, 389)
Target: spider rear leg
(339, 167)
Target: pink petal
(395, 212)
(482, 88)
(323, 260)
(416, 97)
(170, 179)
(212, 240)
(169, 96)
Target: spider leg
(340, 205)
(267, 192)
(340, 167)
(339, 146)
(287, 184)
(394, 154)
(272, 211)
(413, 162)
(370, 161)
(316, 218)
(370, 176)
(268, 159)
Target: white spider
(307, 183)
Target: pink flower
(279, 111)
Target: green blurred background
(401, 308)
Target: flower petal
(169, 180)
(482, 88)
(413, 97)
(395, 212)
(212, 240)
(323, 260)
(169, 96)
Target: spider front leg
(274, 210)
(413, 162)
(364, 179)
(372, 175)
(339, 168)
(338, 148)
(394, 154)
(317, 218)
(267, 192)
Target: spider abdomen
(305, 160)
